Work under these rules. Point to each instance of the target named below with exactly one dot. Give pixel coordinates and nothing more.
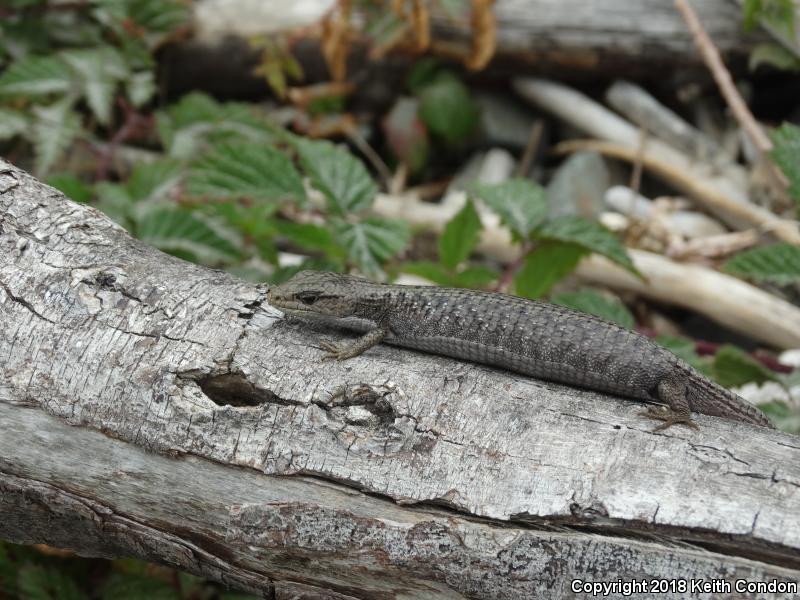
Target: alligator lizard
(534, 338)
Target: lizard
(531, 337)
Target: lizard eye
(307, 297)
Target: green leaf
(307, 235)
(187, 234)
(339, 175)
(773, 55)
(140, 88)
(197, 120)
(428, 270)
(786, 154)
(114, 201)
(545, 266)
(521, 203)
(98, 72)
(476, 276)
(36, 582)
(159, 15)
(684, 349)
(72, 187)
(122, 586)
(8, 571)
(472, 277)
(153, 181)
(591, 302)
(252, 171)
(36, 76)
(781, 414)
(372, 241)
(590, 235)
(54, 128)
(459, 237)
(777, 263)
(779, 14)
(12, 122)
(448, 110)
(734, 367)
(255, 223)
(750, 12)
(423, 74)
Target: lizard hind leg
(672, 391)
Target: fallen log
(157, 409)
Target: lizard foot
(334, 351)
(670, 418)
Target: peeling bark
(157, 409)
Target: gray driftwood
(157, 409)
(559, 37)
(576, 33)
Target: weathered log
(157, 409)
(554, 37)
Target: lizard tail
(711, 398)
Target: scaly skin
(538, 339)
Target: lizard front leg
(358, 346)
(672, 391)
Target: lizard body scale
(534, 338)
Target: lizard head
(316, 294)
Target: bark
(157, 409)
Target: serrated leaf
(684, 349)
(786, 154)
(36, 582)
(371, 242)
(253, 171)
(187, 126)
(152, 181)
(339, 175)
(187, 234)
(159, 15)
(460, 236)
(98, 72)
(734, 367)
(36, 76)
(114, 200)
(520, 203)
(545, 266)
(776, 263)
(307, 235)
(140, 88)
(12, 123)
(72, 187)
(589, 235)
(54, 128)
(591, 302)
(448, 110)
